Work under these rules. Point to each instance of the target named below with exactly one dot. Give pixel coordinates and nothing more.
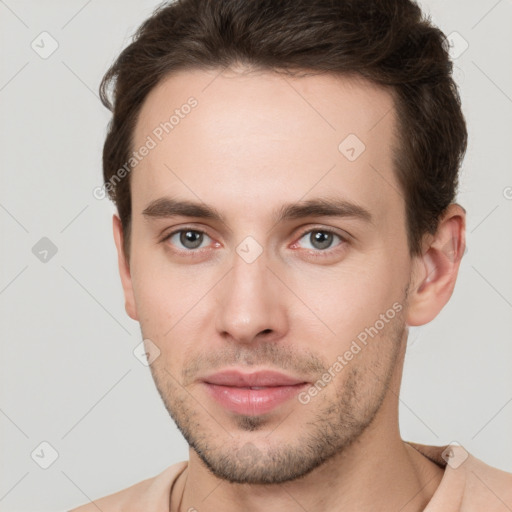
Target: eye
(320, 239)
(190, 239)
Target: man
(285, 175)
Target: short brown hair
(389, 42)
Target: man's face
(254, 291)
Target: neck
(392, 476)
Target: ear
(435, 270)
(124, 269)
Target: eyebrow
(166, 207)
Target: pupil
(321, 239)
(191, 239)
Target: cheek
(162, 309)
(350, 295)
(347, 307)
(169, 298)
(156, 298)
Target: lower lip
(252, 401)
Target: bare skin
(254, 143)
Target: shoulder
(150, 494)
(468, 484)
(486, 487)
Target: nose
(251, 303)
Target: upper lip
(236, 378)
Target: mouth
(252, 394)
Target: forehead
(227, 137)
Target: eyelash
(319, 253)
(316, 253)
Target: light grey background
(68, 373)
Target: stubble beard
(232, 450)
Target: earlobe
(124, 269)
(435, 270)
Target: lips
(237, 379)
(254, 393)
